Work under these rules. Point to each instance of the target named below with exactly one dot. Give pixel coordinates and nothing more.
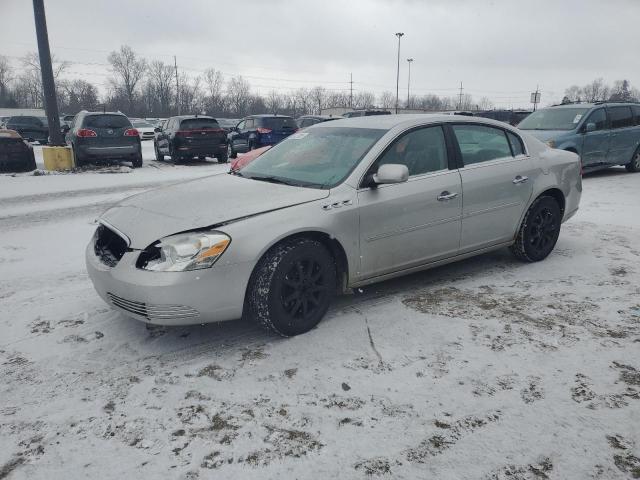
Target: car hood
(546, 135)
(204, 202)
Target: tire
(222, 157)
(539, 231)
(175, 158)
(634, 165)
(78, 161)
(251, 145)
(159, 156)
(137, 162)
(231, 153)
(202, 158)
(292, 287)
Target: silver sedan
(339, 205)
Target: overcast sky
(500, 49)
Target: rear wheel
(175, 158)
(539, 231)
(202, 157)
(159, 156)
(137, 161)
(634, 164)
(231, 153)
(78, 161)
(222, 157)
(292, 287)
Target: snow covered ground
(485, 369)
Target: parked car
(339, 205)
(365, 113)
(512, 117)
(308, 120)
(145, 128)
(244, 160)
(32, 129)
(190, 136)
(603, 134)
(228, 123)
(100, 136)
(258, 131)
(16, 154)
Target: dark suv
(31, 129)
(189, 136)
(258, 131)
(99, 136)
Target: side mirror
(590, 127)
(157, 129)
(391, 173)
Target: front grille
(153, 312)
(109, 246)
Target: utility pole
(175, 63)
(536, 97)
(351, 93)
(48, 82)
(399, 35)
(409, 60)
(460, 101)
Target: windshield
(198, 123)
(318, 158)
(553, 119)
(107, 121)
(142, 124)
(278, 123)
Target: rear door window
(198, 124)
(107, 121)
(479, 143)
(279, 123)
(620, 117)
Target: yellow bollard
(57, 158)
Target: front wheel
(634, 164)
(292, 287)
(539, 231)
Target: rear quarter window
(620, 117)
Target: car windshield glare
(553, 119)
(319, 158)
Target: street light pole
(48, 83)
(409, 60)
(399, 35)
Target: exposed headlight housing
(184, 252)
(551, 143)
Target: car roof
(387, 122)
(104, 113)
(591, 104)
(189, 117)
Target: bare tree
(239, 95)
(128, 69)
(596, 91)
(79, 94)
(318, 97)
(160, 86)
(573, 93)
(274, 102)
(30, 82)
(387, 99)
(303, 101)
(190, 94)
(485, 104)
(214, 84)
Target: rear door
(412, 223)
(497, 179)
(625, 136)
(595, 143)
(277, 128)
(162, 136)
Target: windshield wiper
(272, 179)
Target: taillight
(264, 130)
(131, 132)
(86, 132)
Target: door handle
(444, 196)
(520, 179)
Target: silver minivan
(603, 134)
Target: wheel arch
(556, 194)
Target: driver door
(416, 222)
